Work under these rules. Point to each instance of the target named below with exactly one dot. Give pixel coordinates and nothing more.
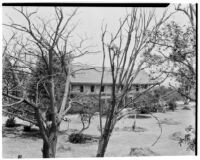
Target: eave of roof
(92, 75)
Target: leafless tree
(47, 40)
(127, 50)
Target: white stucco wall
(87, 88)
(75, 88)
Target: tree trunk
(134, 123)
(103, 142)
(49, 149)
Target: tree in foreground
(127, 51)
(177, 46)
(44, 51)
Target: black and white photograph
(99, 79)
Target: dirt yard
(16, 142)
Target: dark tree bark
(49, 150)
(123, 54)
(46, 44)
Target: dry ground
(121, 142)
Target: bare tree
(47, 40)
(127, 50)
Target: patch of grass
(63, 148)
(176, 136)
(136, 129)
(142, 152)
(169, 122)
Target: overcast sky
(90, 22)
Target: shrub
(75, 109)
(172, 105)
(189, 139)
(139, 116)
(77, 138)
(146, 108)
(186, 108)
(27, 128)
(10, 122)
(154, 108)
(105, 110)
(91, 101)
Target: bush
(91, 101)
(75, 109)
(77, 138)
(172, 105)
(139, 116)
(144, 110)
(10, 122)
(27, 128)
(189, 139)
(147, 108)
(105, 110)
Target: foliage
(87, 101)
(90, 101)
(167, 93)
(9, 80)
(147, 110)
(172, 105)
(10, 85)
(27, 128)
(12, 76)
(46, 55)
(10, 122)
(86, 107)
(124, 47)
(39, 82)
(40, 77)
(75, 109)
(105, 110)
(77, 138)
(156, 99)
(148, 102)
(177, 47)
(189, 139)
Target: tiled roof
(92, 75)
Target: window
(137, 87)
(92, 88)
(81, 89)
(145, 86)
(102, 88)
